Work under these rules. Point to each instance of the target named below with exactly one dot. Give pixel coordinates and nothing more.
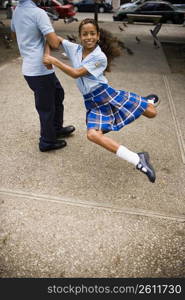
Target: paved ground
(80, 211)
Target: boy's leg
(44, 92)
(59, 112)
(59, 107)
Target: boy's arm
(52, 40)
(75, 73)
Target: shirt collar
(96, 51)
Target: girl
(107, 109)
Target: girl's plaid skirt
(109, 109)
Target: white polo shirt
(95, 63)
(31, 24)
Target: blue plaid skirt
(110, 110)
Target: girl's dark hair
(108, 43)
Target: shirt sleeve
(70, 48)
(43, 22)
(95, 66)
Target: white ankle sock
(151, 101)
(128, 155)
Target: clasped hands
(48, 60)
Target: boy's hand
(49, 66)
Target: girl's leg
(99, 138)
(150, 112)
(140, 160)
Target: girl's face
(89, 36)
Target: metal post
(9, 9)
(96, 11)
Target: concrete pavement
(81, 211)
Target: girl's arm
(75, 73)
(47, 52)
(60, 38)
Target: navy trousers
(49, 96)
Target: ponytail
(110, 45)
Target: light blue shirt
(31, 24)
(95, 63)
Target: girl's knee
(150, 112)
(92, 134)
(153, 113)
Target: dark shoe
(53, 146)
(145, 167)
(153, 99)
(65, 131)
